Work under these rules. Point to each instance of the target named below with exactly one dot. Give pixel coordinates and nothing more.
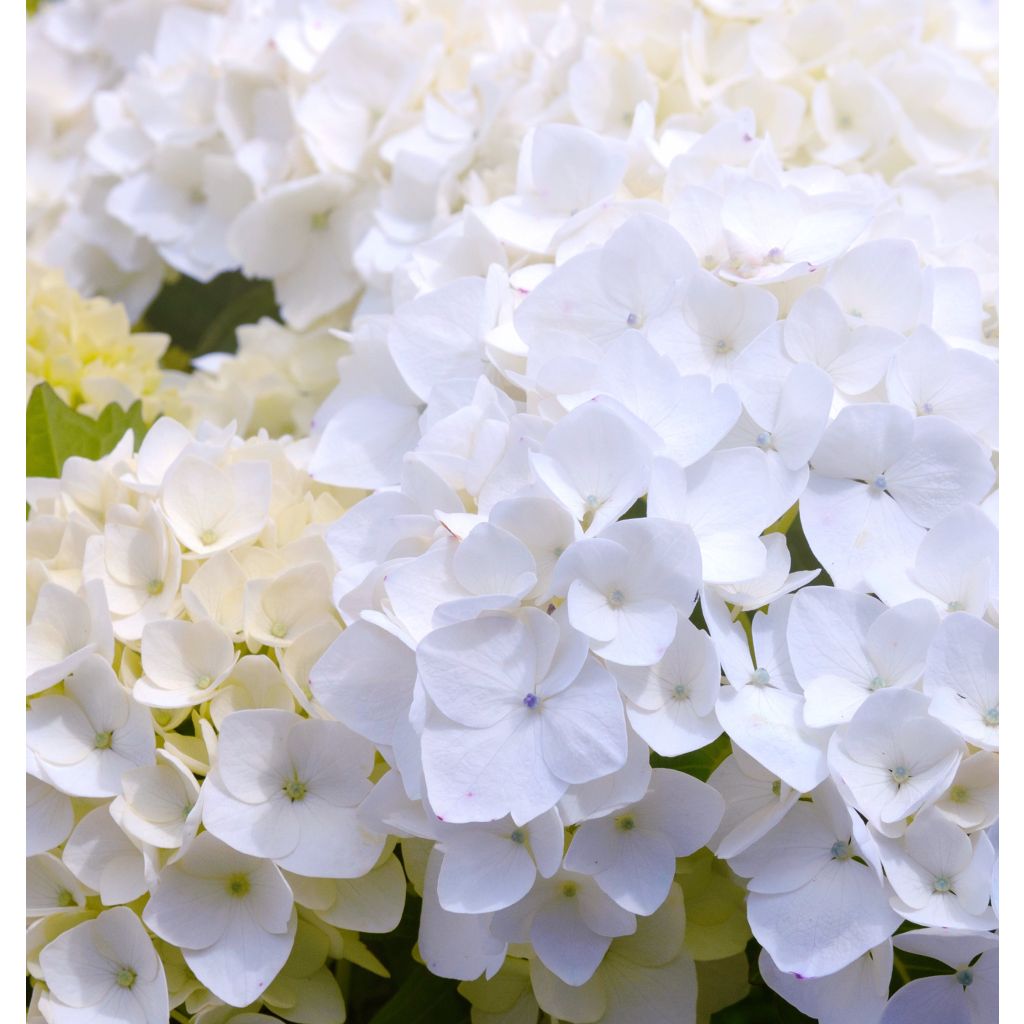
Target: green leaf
(801, 555)
(423, 998)
(114, 422)
(202, 318)
(638, 510)
(54, 431)
(698, 763)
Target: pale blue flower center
(965, 976)
(991, 717)
(764, 438)
(942, 884)
(530, 700)
(880, 483)
(841, 850)
(760, 677)
(899, 774)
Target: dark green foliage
(761, 1005)
(202, 318)
(412, 995)
(801, 555)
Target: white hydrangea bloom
(231, 915)
(591, 312)
(105, 969)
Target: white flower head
(104, 970)
(287, 788)
(63, 630)
(941, 876)
(812, 903)
(626, 587)
(632, 853)
(183, 663)
(231, 915)
(570, 923)
(671, 704)
(519, 713)
(962, 679)
(213, 508)
(88, 738)
(893, 758)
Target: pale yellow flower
(85, 348)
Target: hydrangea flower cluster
(598, 321)
(84, 348)
(321, 145)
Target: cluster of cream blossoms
(621, 288)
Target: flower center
(518, 836)
(616, 599)
(965, 976)
(876, 683)
(634, 320)
(569, 890)
(764, 439)
(991, 717)
(203, 682)
(126, 977)
(530, 700)
(294, 790)
(278, 630)
(679, 691)
(774, 254)
(841, 850)
(208, 537)
(319, 221)
(899, 774)
(626, 823)
(760, 677)
(103, 740)
(154, 587)
(238, 885)
(959, 794)
(722, 345)
(928, 408)
(65, 899)
(880, 483)
(954, 606)
(942, 884)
